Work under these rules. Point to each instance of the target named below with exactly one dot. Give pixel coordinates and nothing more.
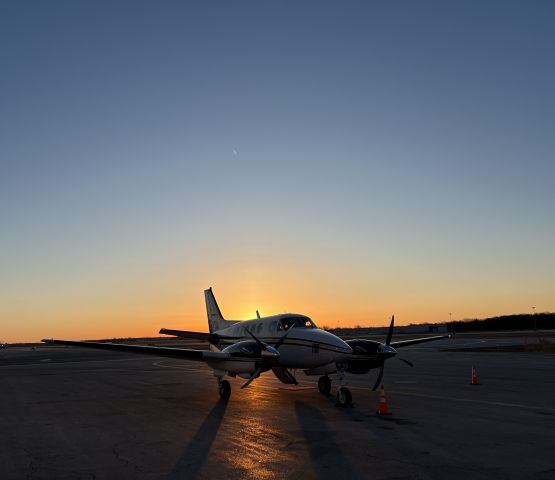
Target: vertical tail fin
(215, 319)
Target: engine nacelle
(262, 358)
(365, 356)
(246, 348)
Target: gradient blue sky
(345, 160)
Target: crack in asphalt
(32, 467)
(118, 455)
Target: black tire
(324, 385)
(224, 390)
(344, 397)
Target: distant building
(404, 329)
(422, 328)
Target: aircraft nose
(338, 345)
(344, 347)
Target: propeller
(390, 351)
(387, 342)
(264, 346)
(282, 338)
(271, 352)
(379, 379)
(390, 331)
(410, 364)
(256, 374)
(260, 343)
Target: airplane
(248, 348)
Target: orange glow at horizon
(332, 290)
(144, 318)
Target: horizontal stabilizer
(193, 335)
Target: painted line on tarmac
(190, 367)
(475, 342)
(470, 400)
(162, 363)
(194, 368)
(49, 362)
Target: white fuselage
(305, 346)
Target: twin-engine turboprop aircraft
(278, 343)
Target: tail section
(215, 318)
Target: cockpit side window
(298, 322)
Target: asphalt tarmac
(68, 413)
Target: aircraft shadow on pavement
(191, 462)
(327, 459)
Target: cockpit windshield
(298, 321)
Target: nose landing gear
(344, 397)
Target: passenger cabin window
(298, 322)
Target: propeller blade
(282, 338)
(379, 379)
(390, 331)
(410, 364)
(256, 374)
(260, 343)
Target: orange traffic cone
(382, 407)
(474, 380)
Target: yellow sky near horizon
(116, 310)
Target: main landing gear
(344, 397)
(224, 389)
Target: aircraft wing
(406, 343)
(183, 353)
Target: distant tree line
(522, 321)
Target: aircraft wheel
(224, 389)
(324, 385)
(344, 397)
